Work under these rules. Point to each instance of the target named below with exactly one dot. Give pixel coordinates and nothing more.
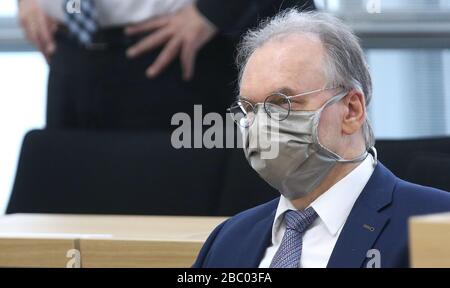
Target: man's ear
(355, 112)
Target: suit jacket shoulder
(408, 200)
(417, 199)
(379, 220)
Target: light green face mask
(301, 162)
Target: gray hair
(345, 64)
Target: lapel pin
(368, 227)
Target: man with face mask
(304, 89)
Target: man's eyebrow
(285, 91)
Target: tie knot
(300, 220)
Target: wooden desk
(430, 241)
(32, 240)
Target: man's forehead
(297, 47)
(289, 63)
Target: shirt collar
(333, 206)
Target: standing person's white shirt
(333, 208)
(120, 12)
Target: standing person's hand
(183, 34)
(38, 26)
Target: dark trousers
(104, 90)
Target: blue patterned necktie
(290, 250)
(81, 19)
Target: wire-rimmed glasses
(278, 106)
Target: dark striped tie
(290, 250)
(81, 19)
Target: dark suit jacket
(385, 204)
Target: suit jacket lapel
(365, 222)
(358, 236)
(255, 243)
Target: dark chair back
(397, 154)
(110, 173)
(422, 161)
(430, 169)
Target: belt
(103, 39)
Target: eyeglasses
(244, 111)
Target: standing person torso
(110, 88)
(119, 12)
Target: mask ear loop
(375, 155)
(338, 158)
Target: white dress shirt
(333, 208)
(119, 12)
